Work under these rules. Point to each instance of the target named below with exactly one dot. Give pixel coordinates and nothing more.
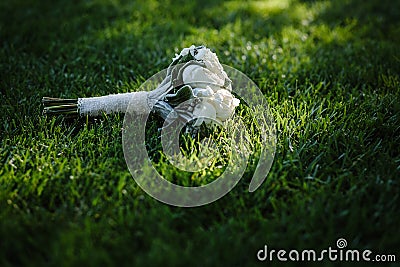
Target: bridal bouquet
(195, 74)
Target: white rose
(197, 76)
(215, 107)
(212, 63)
(199, 53)
(200, 92)
(224, 103)
(226, 97)
(184, 52)
(211, 83)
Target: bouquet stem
(95, 106)
(58, 106)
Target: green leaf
(183, 94)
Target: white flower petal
(224, 93)
(235, 102)
(224, 112)
(197, 76)
(206, 111)
(201, 92)
(218, 98)
(200, 53)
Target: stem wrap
(94, 106)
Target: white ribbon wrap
(142, 102)
(95, 106)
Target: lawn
(330, 71)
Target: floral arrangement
(194, 74)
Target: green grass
(329, 69)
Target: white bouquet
(195, 73)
